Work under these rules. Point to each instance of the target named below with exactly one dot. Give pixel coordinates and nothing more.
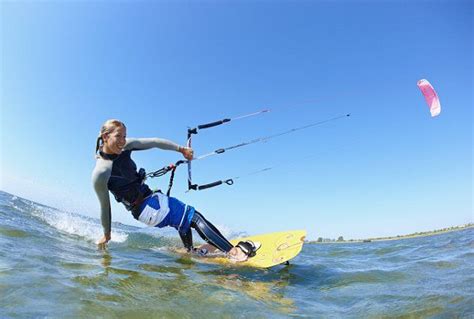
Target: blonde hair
(108, 127)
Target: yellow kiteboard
(276, 248)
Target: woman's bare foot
(236, 254)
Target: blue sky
(161, 66)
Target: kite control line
(195, 130)
(230, 181)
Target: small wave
(152, 237)
(164, 238)
(75, 224)
(91, 229)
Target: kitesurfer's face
(115, 140)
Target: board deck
(277, 248)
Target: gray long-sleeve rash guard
(103, 170)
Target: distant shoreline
(398, 237)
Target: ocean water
(50, 267)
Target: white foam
(75, 224)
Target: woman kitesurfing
(115, 171)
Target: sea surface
(51, 267)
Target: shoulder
(102, 170)
(130, 143)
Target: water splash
(74, 224)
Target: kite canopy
(430, 96)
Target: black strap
(171, 181)
(216, 123)
(197, 187)
(248, 248)
(172, 168)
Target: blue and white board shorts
(159, 210)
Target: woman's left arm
(147, 143)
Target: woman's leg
(213, 236)
(210, 233)
(187, 239)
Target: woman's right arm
(100, 178)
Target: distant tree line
(341, 239)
